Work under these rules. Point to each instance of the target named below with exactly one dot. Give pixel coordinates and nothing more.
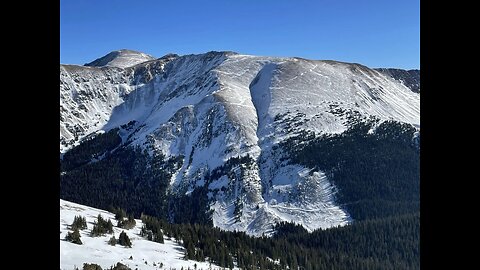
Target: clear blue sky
(376, 33)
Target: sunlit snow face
(213, 107)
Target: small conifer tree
(74, 237)
(124, 240)
(112, 241)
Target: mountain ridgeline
(411, 78)
(121, 58)
(241, 142)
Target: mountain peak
(121, 58)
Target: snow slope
(212, 107)
(88, 96)
(410, 78)
(97, 250)
(121, 58)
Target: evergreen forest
(375, 168)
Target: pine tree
(109, 227)
(101, 227)
(79, 222)
(124, 240)
(119, 213)
(93, 266)
(74, 237)
(112, 241)
(190, 251)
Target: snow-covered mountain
(143, 254)
(208, 109)
(121, 58)
(410, 78)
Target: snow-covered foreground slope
(210, 108)
(97, 250)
